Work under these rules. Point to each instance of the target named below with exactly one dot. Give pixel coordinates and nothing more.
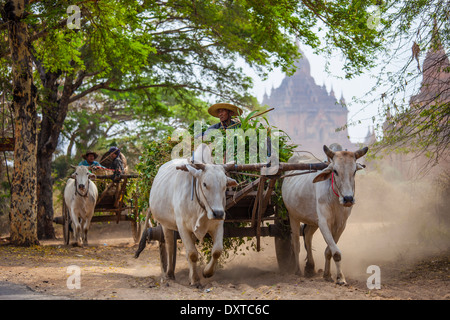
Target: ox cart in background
(113, 204)
(251, 211)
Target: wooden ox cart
(251, 211)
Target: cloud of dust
(393, 220)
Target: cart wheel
(66, 224)
(283, 248)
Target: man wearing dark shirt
(225, 112)
(117, 164)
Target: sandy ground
(108, 270)
(402, 228)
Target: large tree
(177, 49)
(23, 193)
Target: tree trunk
(23, 198)
(45, 211)
(54, 113)
(46, 146)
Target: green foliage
(158, 152)
(155, 154)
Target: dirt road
(108, 270)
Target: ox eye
(335, 172)
(204, 184)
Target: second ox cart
(113, 204)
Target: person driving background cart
(116, 163)
(89, 160)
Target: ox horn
(198, 166)
(328, 152)
(361, 152)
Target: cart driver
(225, 112)
(89, 160)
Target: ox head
(212, 184)
(82, 176)
(342, 170)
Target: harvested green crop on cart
(223, 150)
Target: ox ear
(361, 152)
(202, 154)
(231, 182)
(360, 166)
(324, 175)
(92, 176)
(194, 172)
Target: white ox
(322, 200)
(80, 196)
(171, 205)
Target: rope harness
(202, 205)
(332, 184)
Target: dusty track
(109, 271)
(391, 227)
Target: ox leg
(217, 249)
(170, 250)
(86, 225)
(340, 278)
(309, 231)
(327, 271)
(295, 238)
(76, 227)
(191, 255)
(331, 251)
(87, 222)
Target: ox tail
(142, 243)
(302, 233)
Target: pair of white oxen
(318, 200)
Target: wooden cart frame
(255, 206)
(108, 202)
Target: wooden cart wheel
(66, 224)
(283, 248)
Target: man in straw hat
(89, 160)
(225, 112)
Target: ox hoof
(171, 276)
(328, 278)
(341, 282)
(309, 271)
(196, 285)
